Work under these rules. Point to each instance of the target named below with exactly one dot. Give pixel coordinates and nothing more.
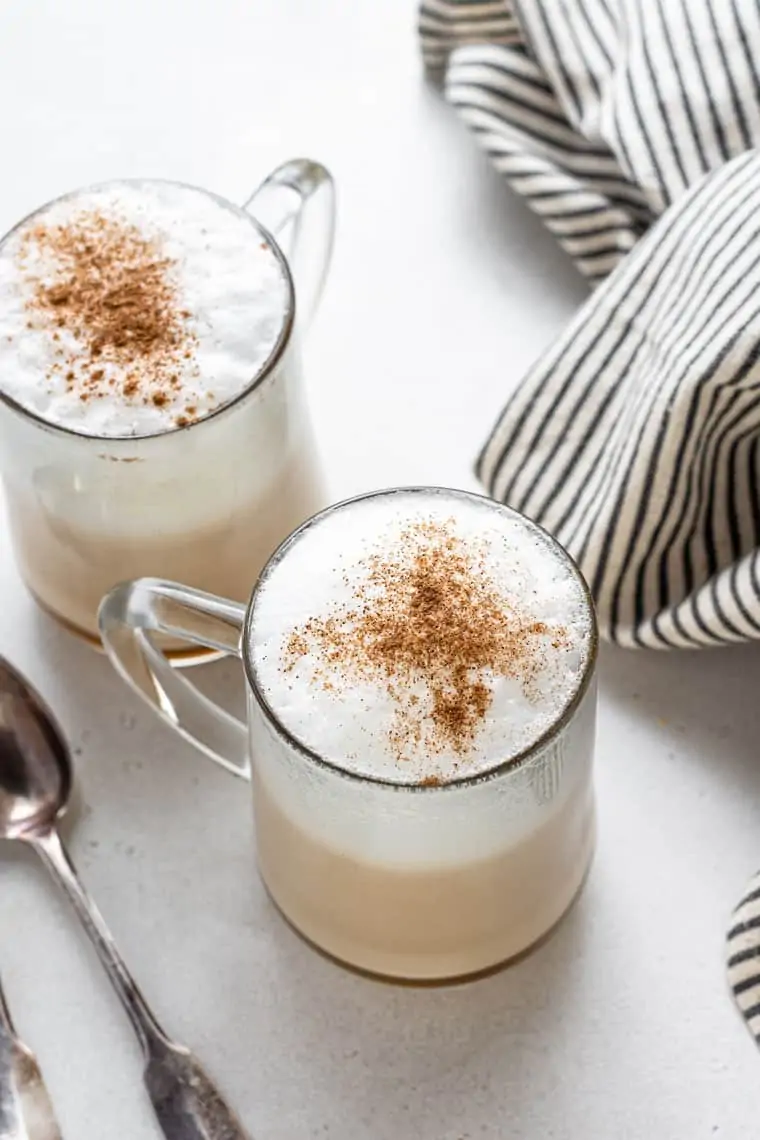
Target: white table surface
(444, 289)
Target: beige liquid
(420, 922)
(69, 568)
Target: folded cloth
(743, 956)
(628, 125)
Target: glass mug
(419, 882)
(87, 512)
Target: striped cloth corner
(743, 957)
(629, 127)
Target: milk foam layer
(351, 722)
(229, 282)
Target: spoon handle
(7, 1029)
(26, 1112)
(187, 1104)
(54, 855)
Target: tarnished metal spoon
(35, 787)
(25, 1109)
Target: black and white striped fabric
(743, 957)
(629, 127)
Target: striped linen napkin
(743, 956)
(629, 127)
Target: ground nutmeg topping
(107, 292)
(433, 628)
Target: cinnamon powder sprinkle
(433, 628)
(111, 291)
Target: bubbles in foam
(350, 635)
(229, 288)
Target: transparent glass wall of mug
(206, 503)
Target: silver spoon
(35, 787)
(25, 1109)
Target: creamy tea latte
(425, 653)
(420, 736)
(151, 420)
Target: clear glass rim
(520, 759)
(264, 370)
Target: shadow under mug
(419, 882)
(206, 502)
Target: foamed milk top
(419, 637)
(135, 308)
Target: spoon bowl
(35, 766)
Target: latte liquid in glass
(151, 419)
(422, 732)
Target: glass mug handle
(130, 613)
(296, 203)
